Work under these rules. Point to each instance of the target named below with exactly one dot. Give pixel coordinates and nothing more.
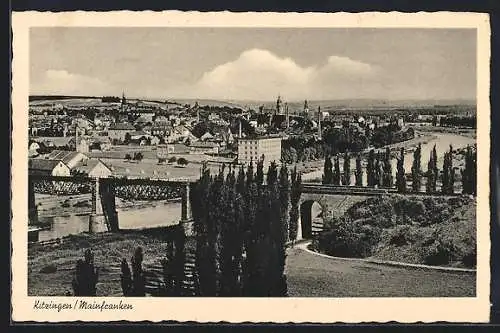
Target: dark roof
(203, 144)
(122, 126)
(63, 155)
(42, 164)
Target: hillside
(431, 230)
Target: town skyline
(212, 64)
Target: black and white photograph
(287, 162)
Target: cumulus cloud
(259, 74)
(63, 82)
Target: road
(310, 275)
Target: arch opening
(311, 216)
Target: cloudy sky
(254, 64)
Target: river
(161, 214)
(441, 140)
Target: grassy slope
(108, 249)
(435, 230)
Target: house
(117, 132)
(102, 143)
(103, 121)
(203, 148)
(155, 141)
(138, 135)
(83, 145)
(145, 118)
(94, 168)
(180, 134)
(69, 158)
(206, 136)
(58, 142)
(161, 120)
(161, 130)
(40, 166)
(163, 151)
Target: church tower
(124, 102)
(279, 106)
(306, 107)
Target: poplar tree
(347, 169)
(448, 182)
(416, 172)
(284, 188)
(328, 171)
(336, 172)
(430, 186)
(359, 171)
(400, 175)
(469, 172)
(387, 168)
(295, 192)
(435, 167)
(370, 168)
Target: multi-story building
(252, 149)
(117, 132)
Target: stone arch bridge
(332, 200)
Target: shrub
(86, 275)
(343, 241)
(48, 269)
(172, 159)
(133, 284)
(182, 161)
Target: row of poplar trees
(379, 171)
(447, 174)
(242, 224)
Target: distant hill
(58, 97)
(326, 105)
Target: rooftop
(203, 145)
(63, 155)
(42, 164)
(89, 165)
(262, 137)
(122, 126)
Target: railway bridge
(104, 191)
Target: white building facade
(252, 149)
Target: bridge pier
(32, 209)
(108, 204)
(187, 221)
(97, 220)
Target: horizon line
(150, 98)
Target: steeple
(124, 101)
(278, 105)
(306, 106)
